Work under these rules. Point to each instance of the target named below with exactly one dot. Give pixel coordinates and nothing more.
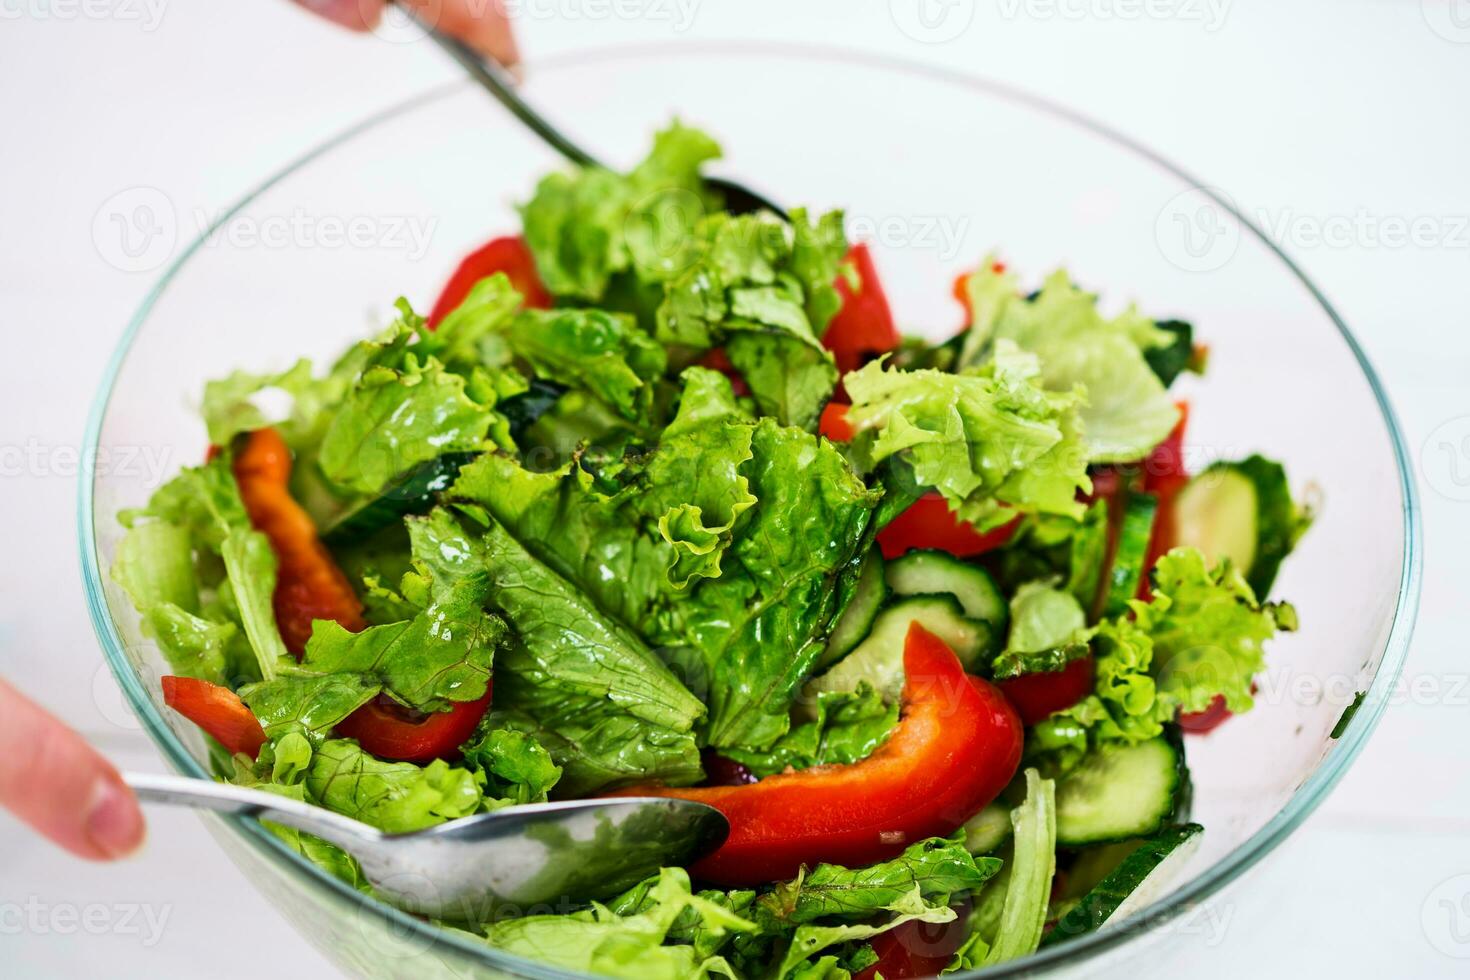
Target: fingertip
(356, 15)
(114, 822)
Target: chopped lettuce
(1127, 410)
(1048, 631)
(847, 728)
(993, 443)
(603, 353)
(396, 797)
(516, 767)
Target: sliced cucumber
(413, 493)
(932, 572)
(1139, 879)
(1242, 511)
(988, 829)
(1088, 556)
(1120, 791)
(878, 659)
(856, 620)
(1135, 532)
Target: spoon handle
(498, 81)
(225, 798)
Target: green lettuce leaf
(936, 868)
(588, 227)
(601, 942)
(1048, 631)
(308, 705)
(994, 444)
(847, 728)
(604, 353)
(516, 767)
(443, 655)
(809, 940)
(396, 797)
(1127, 410)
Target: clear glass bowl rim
(1303, 801)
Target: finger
(53, 780)
(358, 15)
(482, 24)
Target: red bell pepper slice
(309, 585)
(1164, 476)
(929, 523)
(864, 326)
(389, 731)
(1038, 696)
(218, 710)
(956, 746)
(718, 360)
(917, 949)
(508, 255)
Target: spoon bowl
(547, 857)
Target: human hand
(53, 780)
(481, 24)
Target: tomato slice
(218, 710)
(508, 255)
(834, 424)
(917, 949)
(929, 523)
(1038, 696)
(389, 731)
(1203, 722)
(863, 328)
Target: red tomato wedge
(834, 424)
(956, 746)
(1037, 696)
(388, 731)
(218, 710)
(508, 255)
(1203, 722)
(863, 328)
(929, 523)
(917, 949)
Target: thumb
(53, 780)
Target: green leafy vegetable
(396, 797)
(309, 705)
(1048, 631)
(605, 353)
(847, 728)
(993, 444)
(516, 767)
(1127, 411)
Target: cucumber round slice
(1140, 878)
(856, 621)
(930, 572)
(1216, 513)
(878, 659)
(988, 829)
(1119, 791)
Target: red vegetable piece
(218, 710)
(956, 746)
(929, 523)
(508, 255)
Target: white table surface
(1321, 112)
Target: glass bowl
(936, 169)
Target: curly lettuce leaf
(937, 868)
(847, 728)
(764, 291)
(1048, 630)
(587, 227)
(1127, 410)
(396, 797)
(604, 353)
(994, 444)
(517, 769)
(440, 656)
(602, 942)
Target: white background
(1318, 112)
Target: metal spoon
(548, 856)
(496, 79)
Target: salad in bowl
(657, 500)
